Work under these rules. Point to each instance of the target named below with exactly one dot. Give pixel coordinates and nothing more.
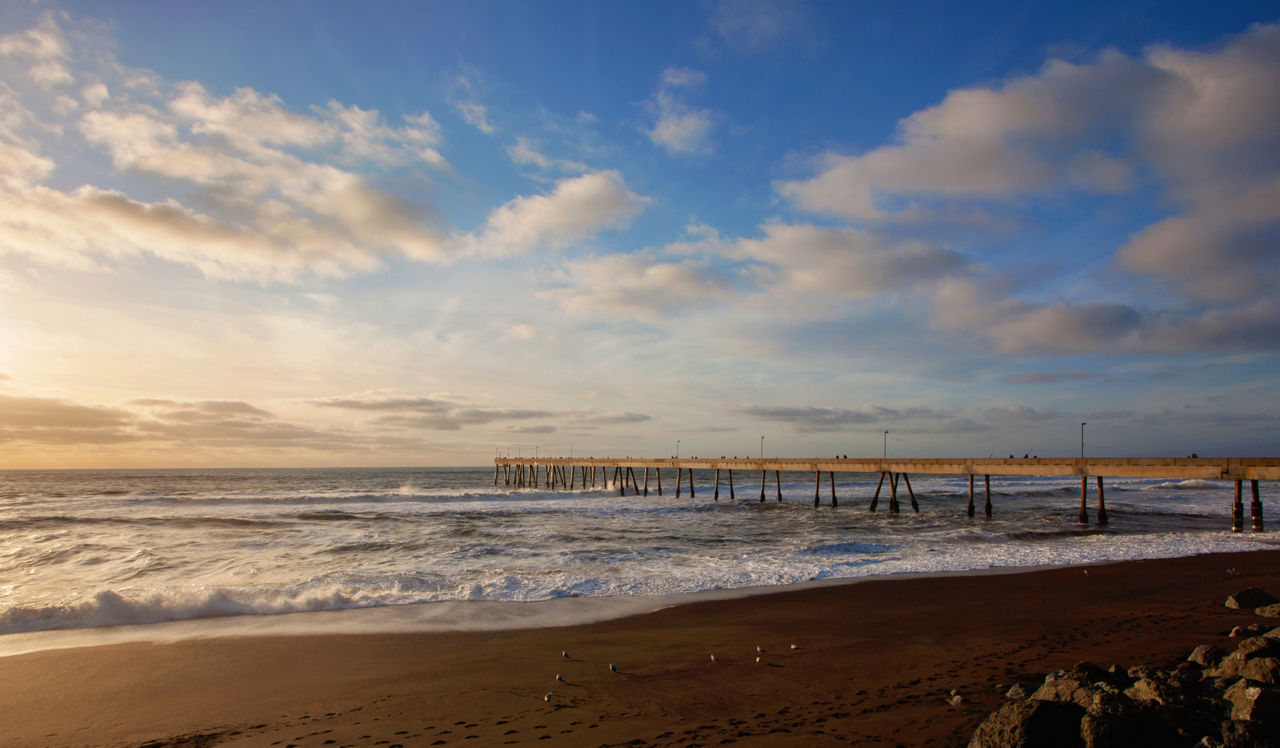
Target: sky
(245, 234)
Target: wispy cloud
(678, 127)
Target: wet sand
(875, 663)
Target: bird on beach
(564, 653)
(795, 646)
(713, 658)
(613, 668)
(547, 696)
(559, 678)
(759, 649)
(757, 660)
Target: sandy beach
(874, 662)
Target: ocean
(137, 549)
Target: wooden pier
(564, 473)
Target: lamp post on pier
(885, 454)
(1082, 425)
(762, 447)
(677, 449)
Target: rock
(1254, 703)
(1067, 689)
(1268, 611)
(956, 700)
(1206, 655)
(1250, 597)
(1016, 691)
(1262, 670)
(1248, 649)
(1273, 633)
(1030, 724)
(1154, 691)
(1253, 629)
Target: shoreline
(451, 616)
(875, 663)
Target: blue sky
(423, 233)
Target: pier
(564, 473)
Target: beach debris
(547, 696)
(559, 678)
(613, 668)
(1251, 597)
(713, 658)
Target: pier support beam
(1084, 497)
(762, 472)
(679, 477)
(817, 486)
(1255, 508)
(1102, 505)
(987, 480)
(1237, 508)
(777, 483)
(876, 499)
(658, 472)
(832, 476)
(716, 495)
(971, 495)
(646, 481)
(495, 473)
(691, 493)
(893, 493)
(731, 496)
(914, 506)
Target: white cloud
(678, 127)
(44, 50)
(468, 105)
(575, 210)
(279, 196)
(638, 285)
(756, 25)
(525, 152)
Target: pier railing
(555, 473)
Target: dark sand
(875, 665)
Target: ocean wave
(844, 549)
(1192, 484)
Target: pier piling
(1102, 505)
(1255, 508)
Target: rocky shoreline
(1216, 698)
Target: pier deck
(562, 473)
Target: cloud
(1050, 377)
(525, 153)
(278, 192)
(467, 104)
(845, 262)
(1012, 413)
(1032, 135)
(576, 209)
(44, 51)
(811, 419)
(1016, 326)
(757, 25)
(524, 332)
(437, 413)
(639, 285)
(679, 128)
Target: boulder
(1250, 597)
(1245, 734)
(1066, 689)
(1268, 611)
(1153, 691)
(1206, 655)
(1016, 691)
(1253, 702)
(1030, 724)
(1262, 670)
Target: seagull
(559, 679)
(759, 649)
(713, 658)
(757, 660)
(547, 696)
(564, 653)
(613, 668)
(795, 646)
